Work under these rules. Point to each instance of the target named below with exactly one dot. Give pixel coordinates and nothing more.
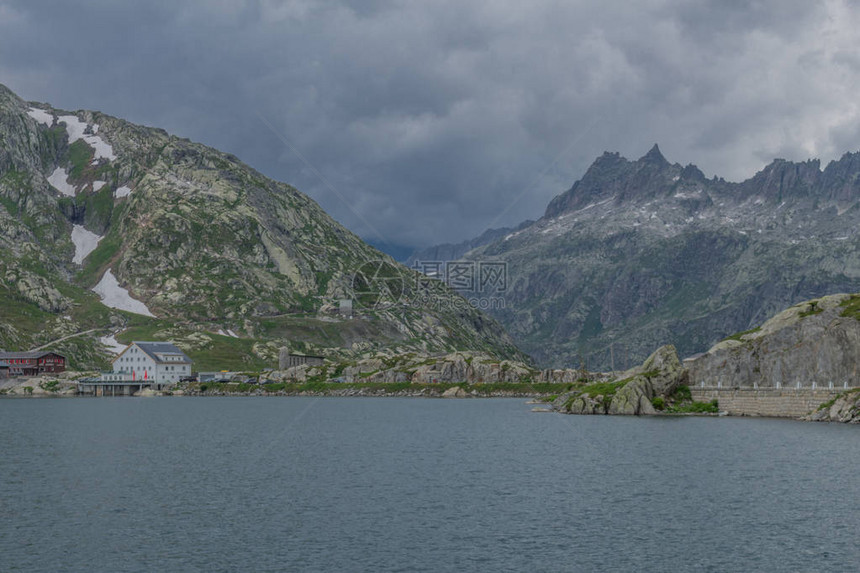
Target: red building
(33, 363)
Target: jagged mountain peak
(782, 180)
(654, 156)
(611, 176)
(692, 173)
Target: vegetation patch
(827, 405)
(811, 309)
(739, 335)
(681, 394)
(16, 180)
(604, 388)
(50, 386)
(680, 401)
(80, 157)
(851, 307)
(10, 206)
(103, 253)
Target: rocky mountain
(641, 253)
(110, 227)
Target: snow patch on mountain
(115, 296)
(77, 130)
(113, 344)
(85, 243)
(122, 192)
(98, 185)
(59, 181)
(41, 116)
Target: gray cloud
(433, 120)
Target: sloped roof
(25, 355)
(154, 349)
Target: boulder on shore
(455, 392)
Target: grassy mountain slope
(208, 244)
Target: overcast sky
(421, 122)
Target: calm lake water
(329, 484)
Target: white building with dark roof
(154, 363)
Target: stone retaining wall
(778, 403)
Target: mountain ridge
(641, 251)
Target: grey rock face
(815, 342)
(580, 404)
(634, 398)
(665, 371)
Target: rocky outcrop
(814, 343)
(664, 371)
(581, 404)
(633, 395)
(36, 290)
(634, 398)
(43, 386)
(457, 367)
(845, 408)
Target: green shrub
(681, 394)
(711, 407)
(851, 307)
(52, 386)
(658, 403)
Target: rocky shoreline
(659, 386)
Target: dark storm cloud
(431, 120)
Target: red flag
(145, 375)
(132, 375)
